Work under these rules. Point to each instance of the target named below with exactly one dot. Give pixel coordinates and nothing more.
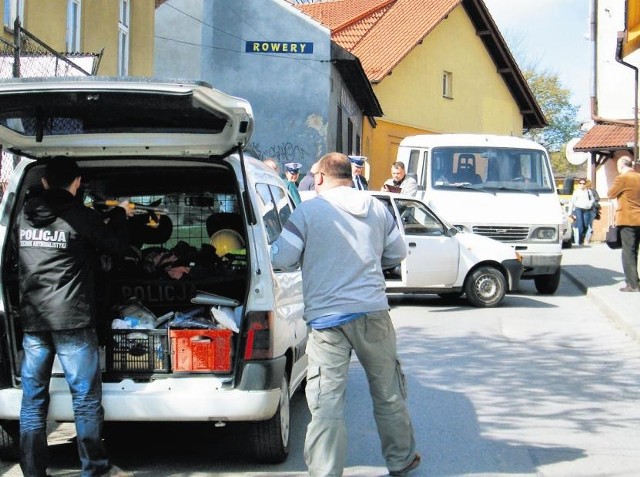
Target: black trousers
(630, 238)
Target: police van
(200, 328)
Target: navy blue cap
(358, 160)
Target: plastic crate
(201, 350)
(138, 351)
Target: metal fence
(29, 57)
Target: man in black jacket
(59, 244)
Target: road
(542, 386)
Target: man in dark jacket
(59, 243)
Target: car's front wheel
(486, 287)
(271, 438)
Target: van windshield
(490, 169)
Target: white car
(444, 261)
(208, 215)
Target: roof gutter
(619, 59)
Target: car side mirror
(453, 231)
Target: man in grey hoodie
(343, 239)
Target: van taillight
(259, 338)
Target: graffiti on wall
(282, 153)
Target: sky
(552, 35)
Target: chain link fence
(29, 57)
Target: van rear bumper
(171, 399)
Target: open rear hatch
(101, 116)
(161, 145)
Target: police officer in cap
(291, 174)
(357, 169)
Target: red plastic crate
(200, 350)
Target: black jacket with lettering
(60, 241)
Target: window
(447, 84)
(417, 219)
(12, 10)
(339, 130)
(274, 208)
(350, 136)
(73, 25)
(123, 38)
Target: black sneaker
(401, 473)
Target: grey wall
(290, 93)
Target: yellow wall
(47, 20)
(412, 100)
(632, 26)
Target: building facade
(121, 30)
(450, 71)
(308, 94)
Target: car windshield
(491, 169)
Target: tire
(270, 438)
(486, 287)
(547, 284)
(9, 441)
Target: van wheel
(9, 441)
(485, 287)
(547, 284)
(271, 438)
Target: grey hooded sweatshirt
(343, 239)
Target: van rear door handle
(412, 244)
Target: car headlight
(545, 233)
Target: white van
(208, 216)
(501, 187)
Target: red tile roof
(380, 32)
(606, 136)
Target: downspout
(621, 36)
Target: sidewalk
(597, 270)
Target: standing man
(357, 169)
(399, 181)
(291, 174)
(59, 242)
(626, 189)
(344, 240)
(308, 181)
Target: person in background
(400, 182)
(58, 316)
(626, 190)
(308, 183)
(582, 206)
(271, 163)
(357, 171)
(595, 211)
(291, 174)
(343, 240)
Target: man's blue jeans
(79, 356)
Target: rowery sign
(289, 47)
